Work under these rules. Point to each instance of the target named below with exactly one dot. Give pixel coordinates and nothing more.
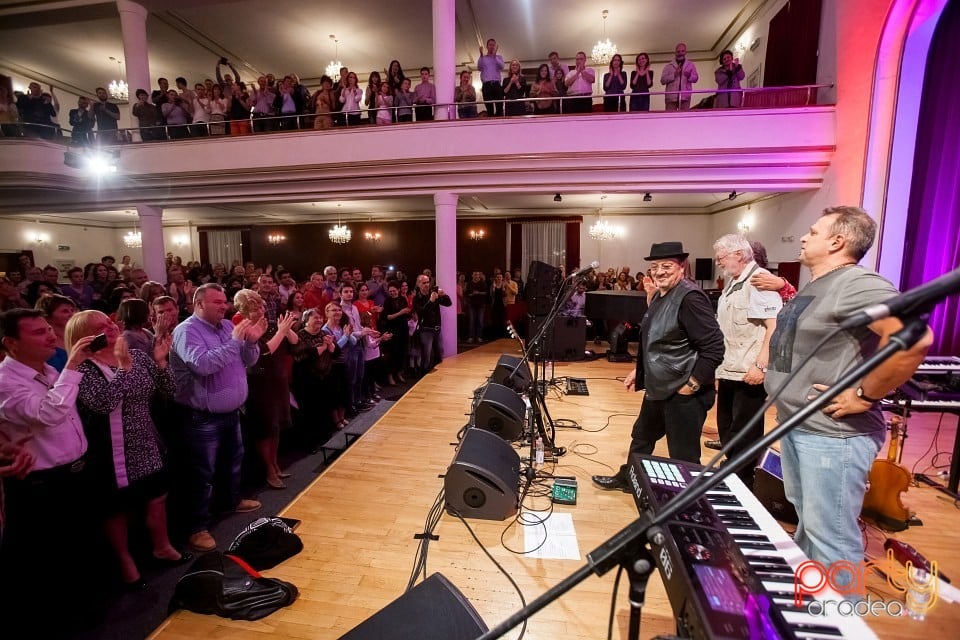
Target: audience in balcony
(678, 77)
(515, 90)
(544, 88)
(490, 65)
(465, 95)
(729, 76)
(641, 81)
(424, 96)
(615, 84)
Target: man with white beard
(747, 318)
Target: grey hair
(734, 242)
(309, 313)
(857, 228)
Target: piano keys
(727, 564)
(940, 365)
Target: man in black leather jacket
(681, 347)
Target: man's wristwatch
(693, 385)
(863, 396)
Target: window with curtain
(544, 241)
(225, 246)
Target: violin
(888, 480)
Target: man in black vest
(680, 349)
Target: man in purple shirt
(491, 66)
(424, 96)
(208, 361)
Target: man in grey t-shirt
(826, 460)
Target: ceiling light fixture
(340, 233)
(333, 69)
(732, 196)
(604, 50)
(601, 229)
(118, 89)
(647, 197)
(133, 239)
(558, 198)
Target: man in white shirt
(579, 83)
(49, 541)
(680, 74)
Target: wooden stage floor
(360, 517)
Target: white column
(151, 230)
(133, 26)
(444, 30)
(446, 272)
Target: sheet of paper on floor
(556, 537)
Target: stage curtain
(544, 241)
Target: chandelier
(118, 89)
(602, 230)
(333, 69)
(340, 234)
(133, 240)
(604, 50)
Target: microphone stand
(628, 547)
(538, 405)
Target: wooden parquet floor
(360, 517)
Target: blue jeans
(431, 351)
(475, 317)
(353, 357)
(825, 479)
(215, 449)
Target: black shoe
(611, 483)
(713, 444)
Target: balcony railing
(749, 98)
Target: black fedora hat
(660, 250)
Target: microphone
(917, 300)
(585, 270)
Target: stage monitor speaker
(501, 411)
(565, 340)
(543, 284)
(512, 372)
(768, 487)
(483, 479)
(432, 610)
(703, 269)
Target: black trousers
(492, 91)
(53, 551)
(737, 403)
(678, 417)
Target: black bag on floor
(226, 586)
(265, 543)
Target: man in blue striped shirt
(208, 361)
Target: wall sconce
(181, 240)
(745, 224)
(477, 234)
(38, 238)
(373, 236)
(276, 238)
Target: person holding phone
(115, 393)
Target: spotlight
(558, 198)
(95, 163)
(647, 197)
(732, 196)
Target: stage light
(647, 197)
(732, 196)
(558, 198)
